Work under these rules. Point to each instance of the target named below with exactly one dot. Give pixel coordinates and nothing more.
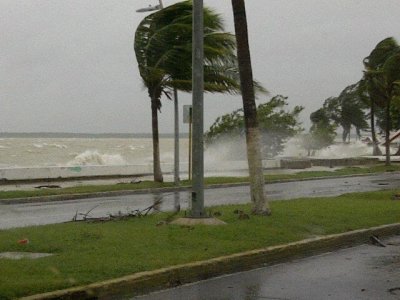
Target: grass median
(90, 252)
(87, 189)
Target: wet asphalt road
(364, 272)
(19, 215)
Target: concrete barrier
(71, 172)
(9, 174)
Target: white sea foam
(295, 148)
(226, 149)
(134, 148)
(90, 157)
(353, 149)
(59, 146)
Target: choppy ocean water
(33, 151)
(39, 152)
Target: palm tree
(383, 80)
(365, 97)
(260, 204)
(347, 110)
(163, 47)
(353, 109)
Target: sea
(66, 149)
(42, 150)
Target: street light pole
(176, 138)
(151, 8)
(197, 210)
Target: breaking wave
(94, 158)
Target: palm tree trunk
(376, 150)
(260, 204)
(158, 177)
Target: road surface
(19, 215)
(365, 272)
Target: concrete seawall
(70, 172)
(215, 168)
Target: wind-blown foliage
(322, 132)
(382, 76)
(163, 47)
(275, 123)
(347, 110)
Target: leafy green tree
(277, 125)
(322, 132)
(163, 48)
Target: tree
(260, 204)
(347, 110)
(382, 74)
(276, 125)
(322, 132)
(163, 48)
(364, 95)
(353, 109)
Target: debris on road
(376, 241)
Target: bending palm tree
(382, 75)
(163, 47)
(260, 204)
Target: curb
(67, 197)
(145, 282)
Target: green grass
(87, 253)
(85, 189)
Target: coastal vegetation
(375, 97)
(276, 124)
(164, 38)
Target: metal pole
(190, 145)
(176, 139)
(198, 122)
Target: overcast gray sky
(69, 65)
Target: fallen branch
(85, 217)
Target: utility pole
(176, 138)
(197, 209)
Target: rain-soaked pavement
(19, 215)
(363, 272)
